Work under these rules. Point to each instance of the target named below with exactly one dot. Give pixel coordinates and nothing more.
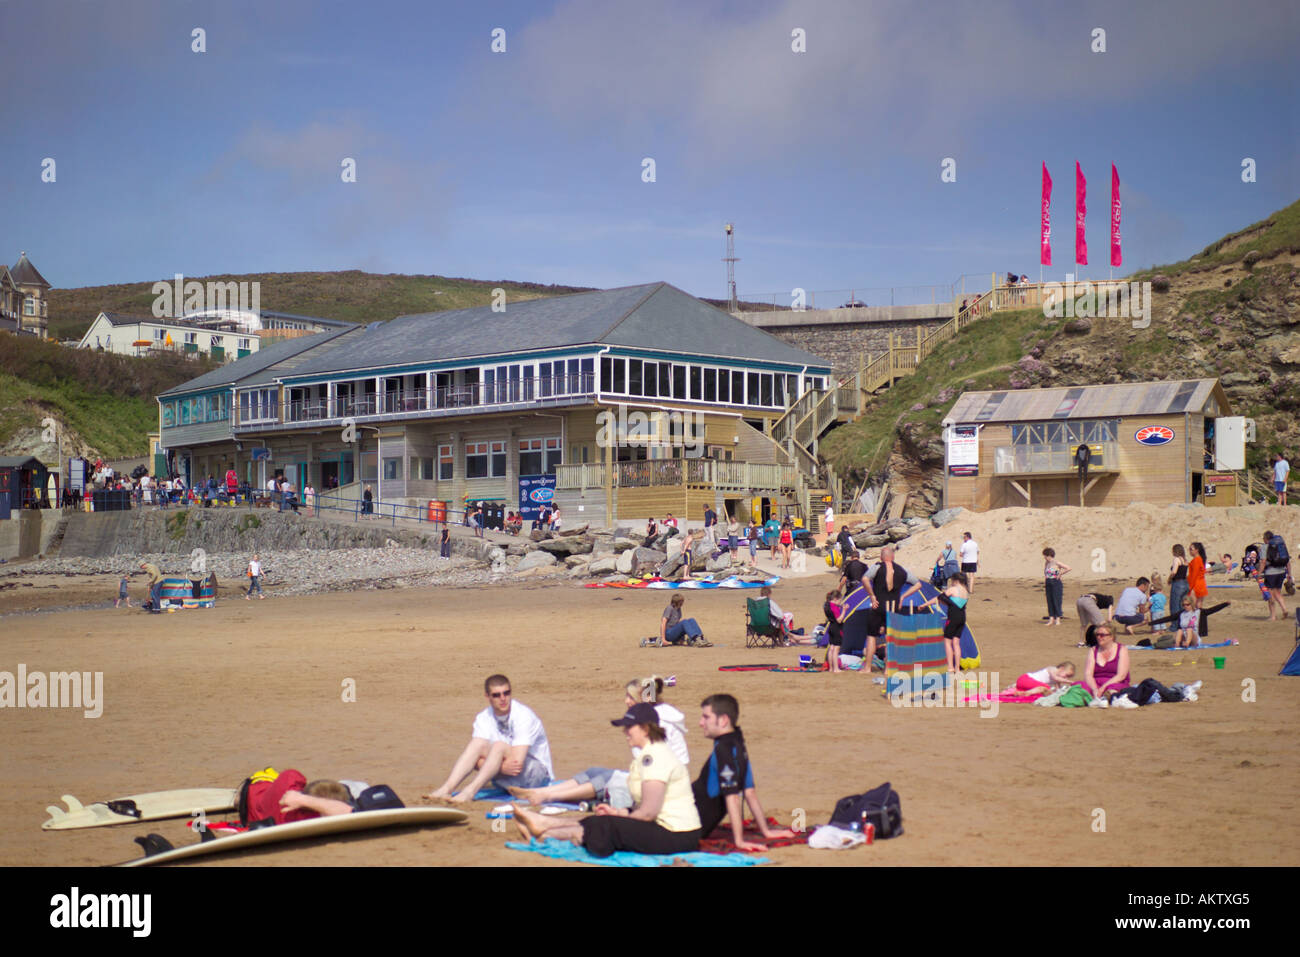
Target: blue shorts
(1279, 487)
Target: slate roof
(263, 365)
(25, 274)
(1089, 401)
(655, 316)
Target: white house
(143, 335)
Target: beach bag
(378, 798)
(881, 807)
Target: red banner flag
(1080, 214)
(1045, 252)
(1116, 257)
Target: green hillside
(102, 400)
(1231, 312)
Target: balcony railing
(466, 396)
(739, 476)
(1042, 459)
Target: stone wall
(841, 343)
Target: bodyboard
(305, 830)
(153, 806)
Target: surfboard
(305, 830)
(153, 806)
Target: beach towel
(915, 658)
(719, 842)
(1076, 697)
(567, 851)
(1216, 644)
(759, 667)
(1007, 697)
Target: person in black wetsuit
(886, 580)
(954, 598)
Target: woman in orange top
(1196, 573)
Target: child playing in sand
(121, 593)
(1189, 623)
(1044, 679)
(1159, 601)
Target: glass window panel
(634, 377)
(766, 386)
(738, 388)
(710, 385)
(665, 379)
(778, 391)
(724, 386)
(695, 381)
(679, 382)
(606, 373)
(620, 377)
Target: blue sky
(527, 164)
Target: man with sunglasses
(508, 748)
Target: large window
(392, 469)
(257, 404)
(485, 460)
(538, 456)
(446, 463)
(1066, 433)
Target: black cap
(640, 713)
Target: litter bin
(437, 512)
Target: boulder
(538, 535)
(671, 566)
(622, 543)
(870, 540)
(562, 547)
(536, 559)
(673, 548)
(720, 564)
(648, 556)
(536, 571)
(577, 561)
(602, 547)
(601, 566)
(578, 571)
(898, 533)
(518, 549)
(944, 516)
(623, 565)
(580, 530)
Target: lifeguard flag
(1080, 214)
(1045, 250)
(1116, 257)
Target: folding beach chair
(760, 630)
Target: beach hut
(1157, 442)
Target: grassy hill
(1231, 312)
(353, 296)
(103, 402)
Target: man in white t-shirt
(1281, 472)
(970, 558)
(508, 747)
(1132, 607)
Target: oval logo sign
(1154, 435)
(541, 494)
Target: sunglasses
(500, 694)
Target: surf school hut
(1145, 441)
(616, 405)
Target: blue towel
(567, 851)
(562, 805)
(493, 794)
(1217, 644)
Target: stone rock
(623, 565)
(672, 566)
(1078, 325)
(870, 541)
(580, 530)
(518, 549)
(537, 559)
(673, 548)
(561, 547)
(946, 515)
(534, 572)
(648, 556)
(601, 547)
(898, 533)
(578, 571)
(915, 521)
(576, 561)
(601, 566)
(622, 543)
(624, 531)
(719, 564)
(538, 535)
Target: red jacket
(264, 798)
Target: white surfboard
(154, 806)
(304, 830)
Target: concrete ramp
(98, 535)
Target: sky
(528, 163)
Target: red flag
(1080, 214)
(1116, 257)
(1045, 253)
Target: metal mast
(730, 259)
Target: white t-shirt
(1128, 603)
(830, 515)
(555, 519)
(671, 521)
(520, 726)
(1280, 470)
(255, 568)
(970, 552)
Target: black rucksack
(1278, 556)
(880, 807)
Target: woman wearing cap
(664, 819)
(607, 785)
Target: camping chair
(760, 630)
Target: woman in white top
(555, 519)
(606, 784)
(663, 819)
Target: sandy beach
(202, 698)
